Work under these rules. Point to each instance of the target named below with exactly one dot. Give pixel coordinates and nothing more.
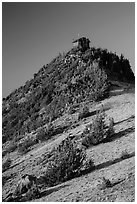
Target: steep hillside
(68, 80)
(114, 160)
(72, 126)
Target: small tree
(98, 131)
(65, 163)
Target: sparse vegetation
(59, 89)
(70, 78)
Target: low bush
(50, 130)
(125, 154)
(106, 183)
(84, 113)
(65, 163)
(32, 193)
(6, 164)
(4, 179)
(4, 152)
(88, 166)
(98, 131)
(25, 145)
(11, 148)
(46, 132)
(71, 110)
(7, 177)
(41, 135)
(110, 130)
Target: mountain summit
(84, 73)
(73, 120)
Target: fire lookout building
(82, 44)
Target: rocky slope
(53, 100)
(107, 157)
(69, 79)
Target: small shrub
(88, 166)
(98, 131)
(4, 152)
(60, 129)
(72, 110)
(105, 183)
(49, 131)
(95, 132)
(110, 130)
(84, 113)
(4, 179)
(66, 162)
(23, 148)
(32, 193)
(12, 147)
(41, 135)
(46, 133)
(25, 145)
(6, 164)
(86, 141)
(124, 154)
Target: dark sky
(34, 33)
